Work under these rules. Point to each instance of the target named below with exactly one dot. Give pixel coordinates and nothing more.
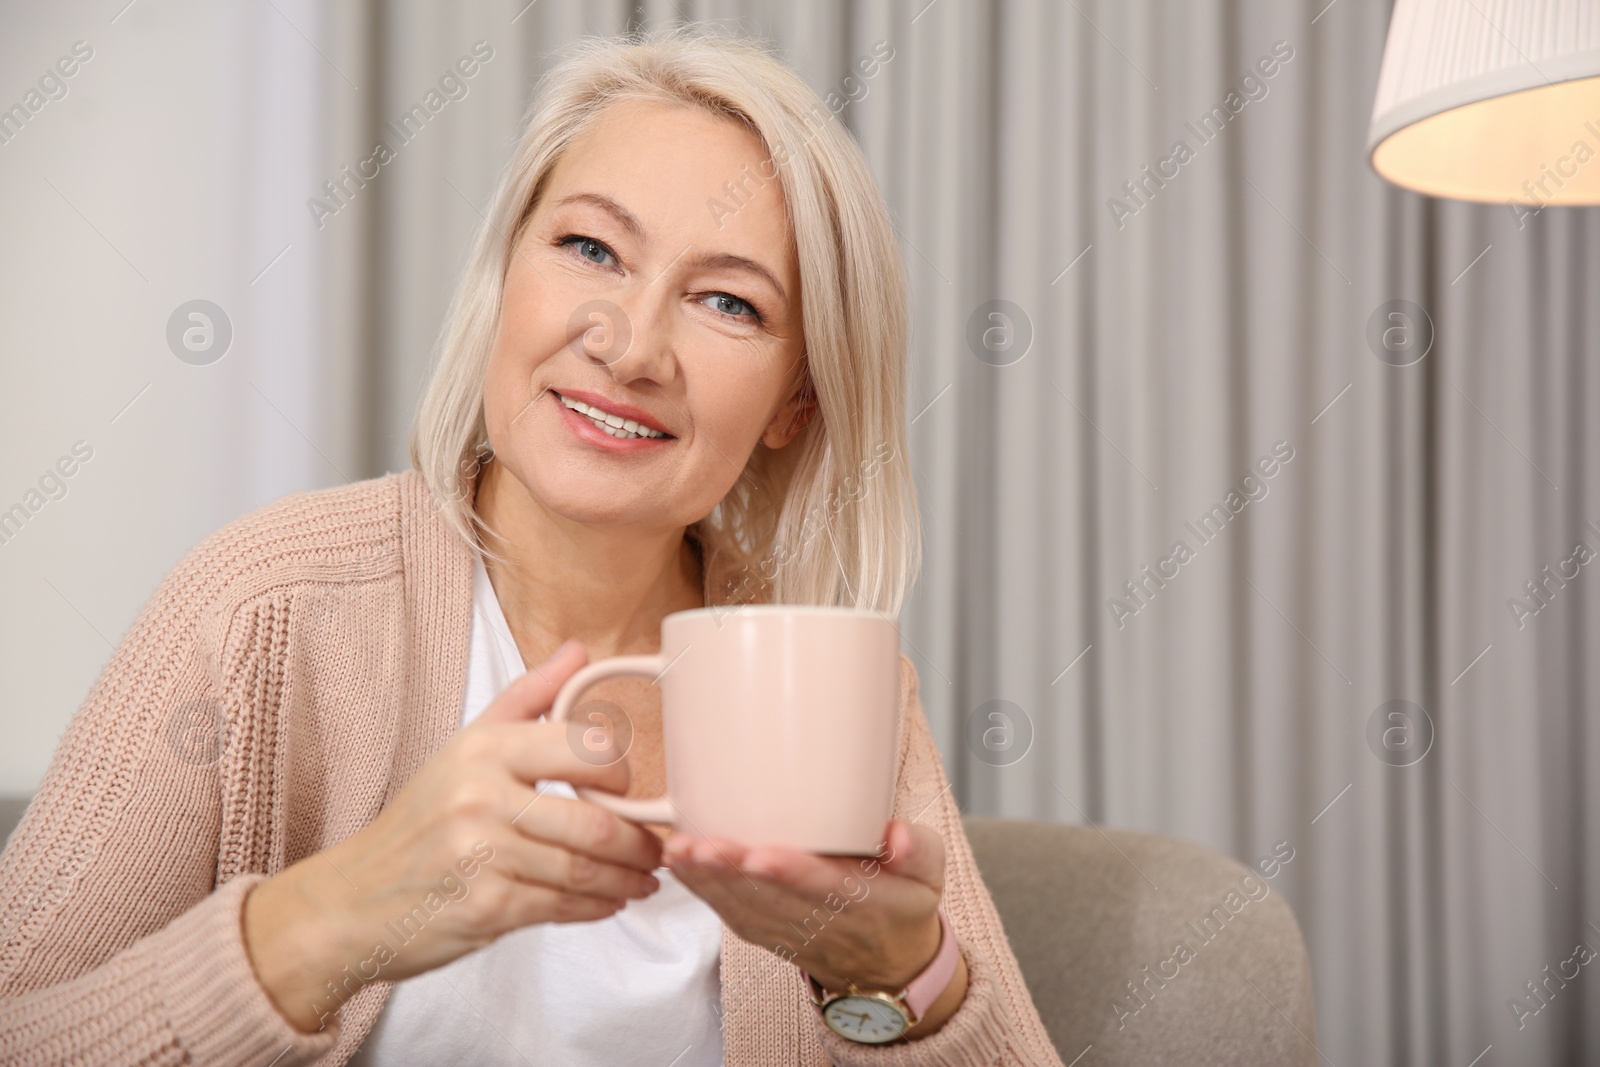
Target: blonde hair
(830, 519)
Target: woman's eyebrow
(628, 219)
(730, 261)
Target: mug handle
(646, 809)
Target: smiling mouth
(615, 425)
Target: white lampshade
(1491, 100)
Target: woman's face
(657, 281)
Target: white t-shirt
(642, 986)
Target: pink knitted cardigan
(285, 680)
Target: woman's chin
(600, 502)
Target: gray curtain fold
(1159, 346)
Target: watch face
(865, 1019)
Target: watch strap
(925, 988)
(919, 993)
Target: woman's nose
(632, 339)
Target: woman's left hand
(871, 920)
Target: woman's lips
(585, 430)
(609, 407)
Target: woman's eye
(731, 306)
(586, 246)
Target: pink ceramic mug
(780, 725)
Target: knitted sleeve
(996, 1023)
(117, 946)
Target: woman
(310, 812)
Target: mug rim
(783, 609)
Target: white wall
(176, 167)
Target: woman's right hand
(466, 851)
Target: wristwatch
(873, 1017)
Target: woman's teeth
(615, 425)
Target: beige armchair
(1096, 917)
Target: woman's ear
(791, 418)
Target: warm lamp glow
(1539, 146)
(1493, 102)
